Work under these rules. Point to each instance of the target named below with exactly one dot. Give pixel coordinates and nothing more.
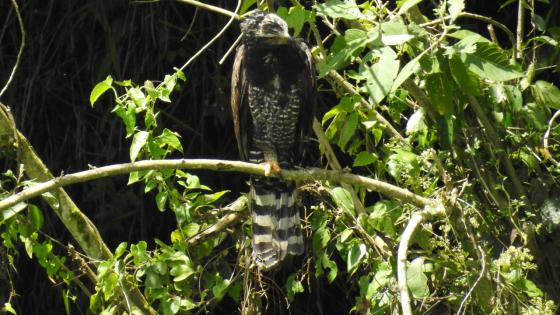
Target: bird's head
(267, 25)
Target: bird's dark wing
(308, 86)
(239, 103)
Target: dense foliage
(416, 99)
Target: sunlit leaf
(355, 255)
(490, 62)
(416, 279)
(138, 142)
(364, 158)
(455, 7)
(339, 9)
(546, 94)
(99, 89)
(405, 5)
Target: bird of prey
(272, 99)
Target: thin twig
(483, 18)
(233, 16)
(20, 52)
(547, 135)
(212, 8)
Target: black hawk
(272, 99)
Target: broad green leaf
(547, 40)
(36, 217)
(296, 17)
(466, 80)
(326, 262)
(220, 287)
(120, 250)
(191, 229)
(355, 255)
(394, 33)
(321, 238)
(410, 68)
(9, 309)
(161, 200)
(538, 22)
(138, 251)
(440, 91)
(245, 5)
(343, 199)
(138, 142)
(490, 62)
(181, 270)
(171, 139)
(529, 287)
(99, 89)
(455, 7)
(546, 94)
(364, 158)
(348, 130)
(416, 279)
(405, 5)
(293, 286)
(380, 75)
(138, 97)
(339, 9)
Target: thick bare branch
(217, 165)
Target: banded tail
(276, 221)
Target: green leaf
(99, 89)
(364, 158)
(161, 200)
(416, 279)
(220, 287)
(191, 229)
(120, 250)
(36, 217)
(355, 255)
(296, 17)
(410, 68)
(138, 252)
(245, 5)
(490, 62)
(293, 286)
(171, 139)
(343, 199)
(440, 91)
(538, 22)
(455, 7)
(546, 94)
(339, 9)
(138, 142)
(137, 97)
(348, 130)
(380, 76)
(321, 238)
(405, 5)
(331, 265)
(529, 287)
(466, 80)
(9, 309)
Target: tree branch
(415, 221)
(217, 165)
